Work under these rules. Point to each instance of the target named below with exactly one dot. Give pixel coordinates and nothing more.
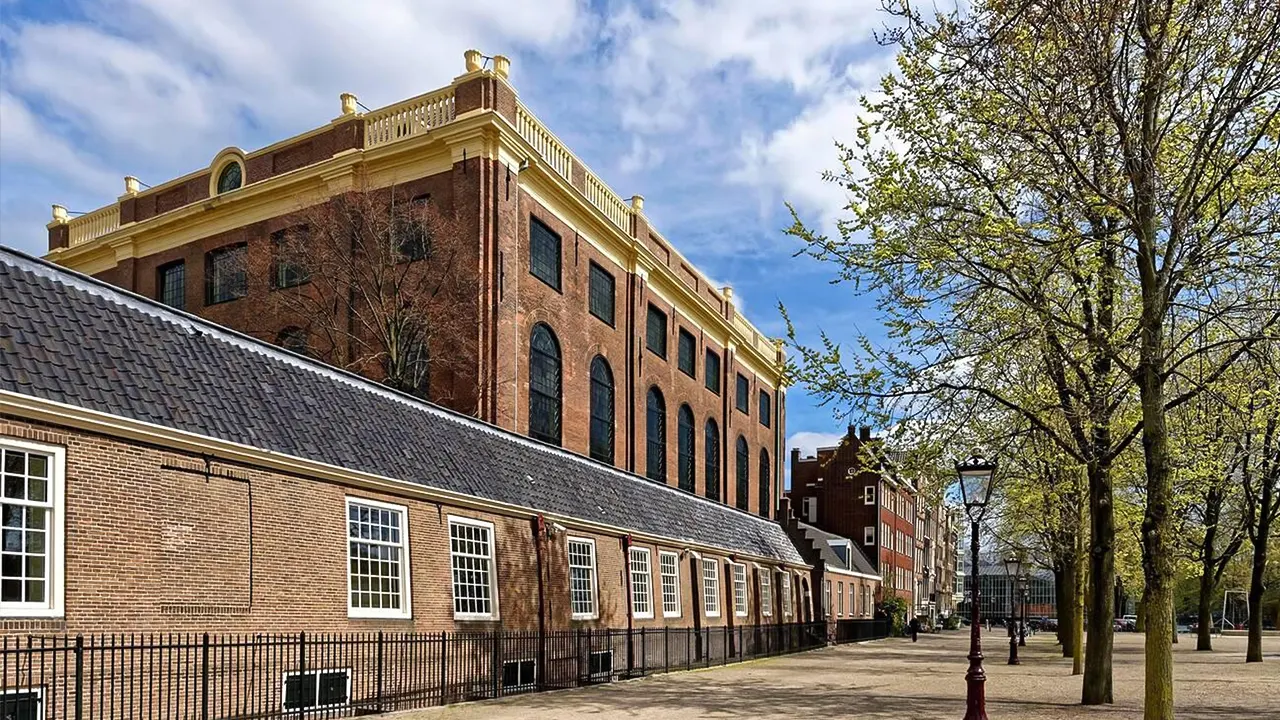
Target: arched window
(687, 467)
(544, 385)
(231, 177)
(601, 410)
(656, 447)
(711, 447)
(766, 474)
(744, 473)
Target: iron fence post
(495, 664)
(204, 677)
(666, 648)
(644, 655)
(79, 676)
(377, 681)
(302, 664)
(444, 668)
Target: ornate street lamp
(1013, 566)
(1023, 584)
(977, 479)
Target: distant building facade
(997, 589)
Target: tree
(376, 283)
(1259, 472)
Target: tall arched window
(711, 447)
(544, 385)
(601, 410)
(687, 467)
(656, 448)
(744, 473)
(766, 474)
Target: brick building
(851, 490)
(578, 323)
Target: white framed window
(826, 597)
(786, 594)
(766, 593)
(519, 674)
(810, 506)
(475, 594)
(26, 703)
(641, 583)
(739, 590)
(869, 535)
(711, 587)
(34, 508)
(600, 664)
(582, 579)
(869, 495)
(839, 599)
(853, 612)
(377, 559)
(669, 569)
(317, 689)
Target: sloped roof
(68, 338)
(821, 540)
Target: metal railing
(848, 631)
(335, 675)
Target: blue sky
(717, 111)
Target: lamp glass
(976, 475)
(1013, 565)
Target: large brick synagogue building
(576, 322)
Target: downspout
(626, 584)
(632, 369)
(539, 535)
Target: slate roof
(859, 562)
(71, 339)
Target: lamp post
(1013, 566)
(1023, 583)
(977, 475)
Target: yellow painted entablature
(414, 138)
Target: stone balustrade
(94, 225)
(406, 119)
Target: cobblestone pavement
(924, 681)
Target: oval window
(230, 178)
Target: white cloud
(808, 442)
(29, 142)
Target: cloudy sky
(717, 111)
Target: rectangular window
(582, 578)
(377, 559)
(840, 599)
(22, 704)
(317, 689)
(786, 594)
(766, 408)
(655, 332)
(641, 584)
(544, 253)
(869, 495)
(519, 674)
(171, 284)
(33, 529)
(686, 352)
(869, 535)
(669, 565)
(809, 506)
(866, 600)
(226, 277)
(600, 294)
(826, 598)
(744, 390)
(288, 267)
(739, 590)
(711, 587)
(711, 371)
(413, 231)
(766, 594)
(600, 664)
(471, 555)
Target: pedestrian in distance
(915, 628)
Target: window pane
(688, 348)
(641, 583)
(544, 385)
(712, 451)
(288, 268)
(471, 559)
(687, 462)
(656, 437)
(744, 389)
(601, 293)
(544, 253)
(766, 485)
(656, 331)
(231, 178)
(602, 410)
(226, 276)
(766, 408)
(712, 372)
(582, 578)
(171, 285)
(743, 474)
(375, 552)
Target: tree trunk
(1097, 686)
(1204, 639)
(1256, 587)
(1141, 625)
(1081, 568)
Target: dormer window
(231, 177)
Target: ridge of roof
(194, 325)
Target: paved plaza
(924, 681)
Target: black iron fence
(200, 677)
(848, 631)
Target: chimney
(795, 456)
(864, 432)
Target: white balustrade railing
(609, 203)
(94, 225)
(409, 118)
(551, 150)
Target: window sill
(211, 302)
(739, 614)
(474, 617)
(22, 613)
(372, 614)
(581, 616)
(642, 616)
(714, 614)
(670, 615)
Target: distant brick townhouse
(586, 328)
(161, 472)
(852, 490)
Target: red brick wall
(150, 547)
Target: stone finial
(59, 214)
(502, 66)
(131, 185)
(637, 203)
(349, 103)
(473, 58)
